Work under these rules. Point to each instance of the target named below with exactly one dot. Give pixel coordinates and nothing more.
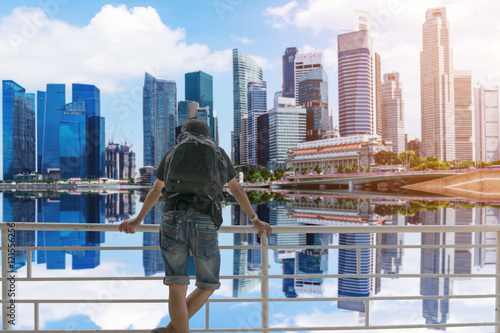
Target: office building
(159, 118)
(49, 116)
(263, 139)
(18, 130)
(120, 161)
(357, 98)
(487, 123)
(257, 106)
(288, 63)
(199, 88)
(287, 128)
(244, 140)
(245, 70)
(464, 116)
(96, 144)
(436, 86)
(73, 140)
(313, 96)
(393, 112)
(304, 63)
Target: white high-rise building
(436, 87)
(464, 116)
(393, 127)
(487, 123)
(287, 128)
(305, 62)
(257, 106)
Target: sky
(111, 44)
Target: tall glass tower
(257, 106)
(289, 72)
(73, 143)
(159, 118)
(313, 96)
(18, 128)
(245, 69)
(49, 116)
(199, 88)
(96, 144)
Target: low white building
(328, 154)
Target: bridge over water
(351, 180)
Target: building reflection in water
(68, 208)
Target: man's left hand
(128, 226)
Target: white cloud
(244, 40)
(118, 44)
(280, 16)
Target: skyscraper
(245, 69)
(159, 118)
(378, 95)
(73, 140)
(357, 98)
(487, 123)
(304, 63)
(257, 106)
(287, 128)
(288, 61)
(96, 144)
(393, 112)
(436, 86)
(313, 96)
(199, 88)
(18, 128)
(464, 115)
(49, 116)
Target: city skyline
(398, 40)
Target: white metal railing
(264, 276)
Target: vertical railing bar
(5, 284)
(497, 286)
(358, 261)
(264, 308)
(207, 314)
(367, 313)
(28, 264)
(37, 308)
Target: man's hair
(196, 126)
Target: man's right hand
(128, 226)
(262, 226)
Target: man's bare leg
(177, 307)
(194, 302)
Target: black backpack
(196, 166)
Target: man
(189, 224)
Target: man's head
(197, 127)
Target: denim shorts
(195, 233)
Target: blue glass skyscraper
(289, 72)
(73, 143)
(49, 118)
(95, 153)
(313, 95)
(245, 69)
(18, 128)
(159, 118)
(257, 106)
(199, 88)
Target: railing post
(5, 283)
(264, 293)
(497, 286)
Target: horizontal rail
(249, 229)
(254, 300)
(259, 276)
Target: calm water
(292, 209)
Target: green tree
(318, 169)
